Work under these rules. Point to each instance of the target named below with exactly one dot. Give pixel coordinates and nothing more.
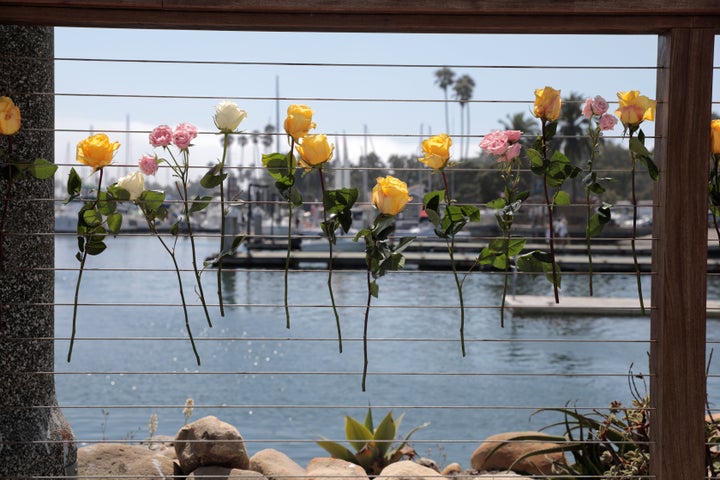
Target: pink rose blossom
(183, 135)
(607, 121)
(161, 136)
(599, 105)
(587, 108)
(513, 135)
(512, 152)
(148, 165)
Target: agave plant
(374, 447)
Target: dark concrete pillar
(35, 438)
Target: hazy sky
(380, 83)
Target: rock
(452, 469)
(275, 465)
(110, 460)
(429, 462)
(223, 473)
(504, 457)
(210, 442)
(326, 468)
(407, 470)
(507, 475)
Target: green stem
(222, 229)
(634, 233)
(365, 327)
(291, 174)
(186, 208)
(505, 279)
(550, 217)
(171, 252)
(79, 278)
(588, 214)
(458, 282)
(330, 262)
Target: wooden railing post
(677, 351)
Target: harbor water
(284, 388)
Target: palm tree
(571, 139)
(267, 138)
(463, 93)
(444, 78)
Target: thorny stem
(223, 214)
(588, 213)
(458, 282)
(330, 262)
(365, 327)
(550, 218)
(79, 278)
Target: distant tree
(267, 138)
(444, 78)
(572, 136)
(464, 87)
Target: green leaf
(561, 198)
(497, 204)
(151, 200)
(114, 222)
(337, 451)
(42, 169)
(199, 204)
(369, 424)
(213, 177)
(356, 433)
(91, 217)
(277, 166)
(385, 434)
(374, 289)
(95, 248)
(431, 204)
(106, 204)
(118, 193)
(598, 220)
(536, 160)
(74, 186)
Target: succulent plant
(374, 447)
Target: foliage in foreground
(374, 447)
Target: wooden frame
(686, 30)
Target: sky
(378, 90)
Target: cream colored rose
(228, 116)
(134, 183)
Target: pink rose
(495, 142)
(587, 108)
(183, 135)
(607, 121)
(512, 152)
(161, 136)
(599, 105)
(148, 165)
(513, 135)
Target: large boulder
(112, 460)
(276, 465)
(210, 442)
(505, 457)
(326, 468)
(407, 470)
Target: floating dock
(624, 307)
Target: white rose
(134, 184)
(228, 116)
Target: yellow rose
(715, 136)
(634, 108)
(314, 150)
(298, 121)
(9, 117)
(437, 151)
(390, 195)
(96, 151)
(547, 104)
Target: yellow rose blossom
(437, 151)
(314, 151)
(96, 151)
(390, 195)
(634, 108)
(9, 117)
(547, 104)
(298, 121)
(715, 136)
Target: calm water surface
(284, 388)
